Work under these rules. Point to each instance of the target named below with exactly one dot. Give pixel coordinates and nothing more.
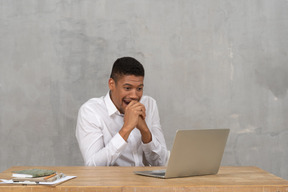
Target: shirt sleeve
(91, 143)
(156, 152)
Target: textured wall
(209, 64)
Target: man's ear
(111, 84)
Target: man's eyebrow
(127, 84)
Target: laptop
(194, 153)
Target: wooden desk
(244, 179)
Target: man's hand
(133, 111)
(135, 114)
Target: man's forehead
(131, 79)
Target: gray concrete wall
(209, 64)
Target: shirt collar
(110, 105)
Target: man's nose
(133, 94)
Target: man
(123, 127)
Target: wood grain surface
(123, 179)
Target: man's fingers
(137, 107)
(135, 104)
(143, 112)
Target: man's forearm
(146, 136)
(144, 130)
(125, 132)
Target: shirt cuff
(151, 146)
(118, 143)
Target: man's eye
(140, 88)
(127, 88)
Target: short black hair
(126, 66)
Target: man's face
(126, 89)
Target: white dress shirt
(97, 132)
